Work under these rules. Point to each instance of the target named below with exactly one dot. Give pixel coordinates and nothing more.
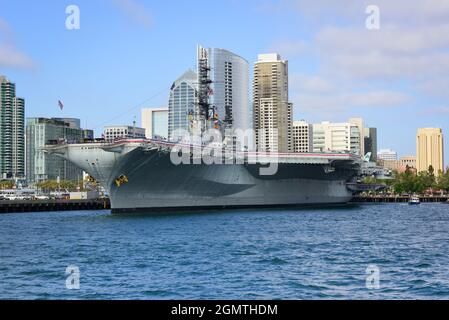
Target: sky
(127, 53)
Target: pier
(53, 205)
(398, 199)
(104, 204)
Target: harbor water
(331, 253)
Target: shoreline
(398, 199)
(29, 206)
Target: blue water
(275, 254)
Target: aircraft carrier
(139, 175)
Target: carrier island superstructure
(144, 175)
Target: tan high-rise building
(430, 150)
(272, 113)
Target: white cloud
(421, 12)
(287, 48)
(342, 102)
(306, 83)
(378, 65)
(393, 51)
(389, 39)
(413, 12)
(443, 111)
(411, 48)
(437, 87)
(136, 12)
(10, 56)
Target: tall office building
(272, 112)
(182, 101)
(230, 76)
(387, 155)
(370, 141)
(430, 149)
(337, 137)
(302, 137)
(42, 166)
(155, 123)
(75, 123)
(12, 132)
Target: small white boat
(414, 200)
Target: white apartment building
(387, 155)
(113, 133)
(337, 137)
(302, 137)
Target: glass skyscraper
(12, 137)
(230, 76)
(230, 91)
(182, 101)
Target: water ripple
(273, 254)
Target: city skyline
(388, 96)
(224, 158)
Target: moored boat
(414, 200)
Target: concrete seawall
(53, 205)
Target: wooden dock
(398, 199)
(53, 205)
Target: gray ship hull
(156, 184)
(160, 185)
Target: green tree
(53, 185)
(443, 181)
(6, 184)
(408, 182)
(425, 180)
(48, 186)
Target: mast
(205, 115)
(204, 110)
